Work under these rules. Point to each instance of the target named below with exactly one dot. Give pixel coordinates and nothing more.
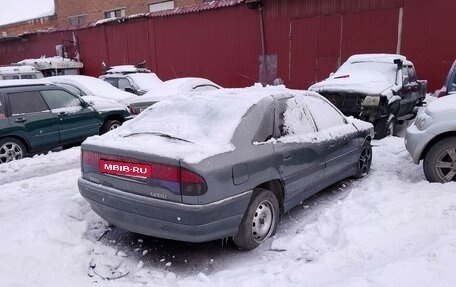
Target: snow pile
(23, 10)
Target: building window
(77, 20)
(161, 5)
(115, 13)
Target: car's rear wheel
(440, 161)
(11, 149)
(110, 125)
(385, 126)
(260, 220)
(365, 160)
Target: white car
(170, 88)
(89, 86)
(131, 79)
(433, 139)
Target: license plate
(125, 168)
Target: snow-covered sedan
(169, 88)
(219, 164)
(89, 86)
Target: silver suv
(433, 139)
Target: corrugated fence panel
(370, 32)
(93, 49)
(428, 38)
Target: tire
(365, 160)
(440, 161)
(109, 125)
(11, 149)
(260, 220)
(385, 126)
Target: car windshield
(388, 70)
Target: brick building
(70, 13)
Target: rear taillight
(442, 92)
(190, 182)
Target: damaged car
(379, 88)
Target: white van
(19, 72)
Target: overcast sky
(13, 11)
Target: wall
(307, 39)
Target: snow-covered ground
(392, 228)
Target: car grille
(349, 104)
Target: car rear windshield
(209, 118)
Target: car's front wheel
(260, 220)
(11, 149)
(440, 161)
(110, 125)
(365, 160)
(385, 126)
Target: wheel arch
(276, 186)
(21, 139)
(436, 139)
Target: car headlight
(371, 101)
(423, 121)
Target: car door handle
(61, 114)
(287, 156)
(20, 120)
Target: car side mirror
(130, 90)
(85, 104)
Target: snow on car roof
(146, 81)
(18, 69)
(387, 58)
(125, 69)
(95, 87)
(23, 82)
(173, 87)
(202, 124)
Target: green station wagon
(36, 116)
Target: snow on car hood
(190, 127)
(442, 107)
(95, 87)
(104, 105)
(362, 76)
(366, 82)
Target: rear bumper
(164, 219)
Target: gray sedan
(433, 139)
(220, 164)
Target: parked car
(433, 139)
(219, 164)
(170, 88)
(379, 88)
(449, 87)
(133, 79)
(37, 116)
(84, 86)
(19, 72)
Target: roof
(17, 69)
(176, 11)
(21, 83)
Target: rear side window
(124, 83)
(11, 77)
(112, 81)
(60, 99)
(296, 118)
(27, 102)
(324, 114)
